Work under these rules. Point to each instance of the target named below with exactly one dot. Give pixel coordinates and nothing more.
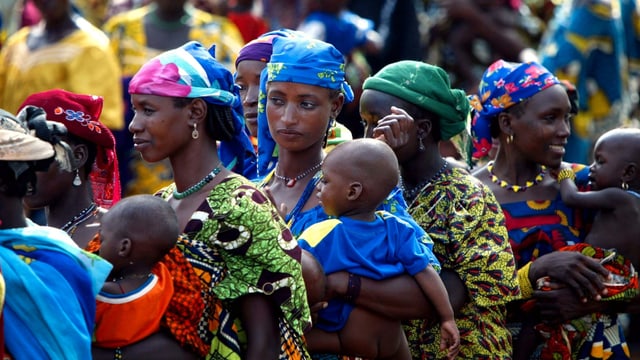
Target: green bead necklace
(198, 186)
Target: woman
(52, 284)
(246, 260)
(528, 110)
(62, 51)
(138, 35)
(305, 90)
(75, 200)
(411, 106)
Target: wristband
(353, 288)
(566, 174)
(526, 289)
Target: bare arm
(434, 289)
(381, 296)
(259, 319)
(609, 198)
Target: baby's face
(333, 189)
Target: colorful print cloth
(595, 336)
(50, 309)
(466, 224)
(237, 244)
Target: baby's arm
(433, 287)
(608, 198)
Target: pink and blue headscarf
(191, 71)
(298, 59)
(503, 85)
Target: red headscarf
(80, 113)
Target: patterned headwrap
(428, 87)
(80, 114)
(298, 59)
(503, 85)
(191, 71)
(260, 49)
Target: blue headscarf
(191, 71)
(504, 84)
(301, 60)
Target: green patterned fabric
(237, 245)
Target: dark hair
(219, 123)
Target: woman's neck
(292, 164)
(11, 213)
(193, 164)
(514, 169)
(423, 165)
(69, 205)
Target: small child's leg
(373, 336)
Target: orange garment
(128, 318)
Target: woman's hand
(394, 128)
(560, 305)
(580, 273)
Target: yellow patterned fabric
(129, 41)
(81, 63)
(467, 226)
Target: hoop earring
(510, 139)
(624, 185)
(76, 180)
(195, 134)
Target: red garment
(126, 319)
(250, 26)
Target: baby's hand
(450, 338)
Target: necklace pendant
(291, 183)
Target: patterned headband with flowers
(504, 84)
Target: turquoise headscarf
(302, 60)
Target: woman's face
(375, 105)
(540, 133)
(159, 128)
(299, 114)
(51, 185)
(248, 78)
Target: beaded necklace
(291, 182)
(198, 186)
(71, 225)
(516, 188)
(410, 194)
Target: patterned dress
(237, 244)
(466, 224)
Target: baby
(356, 178)
(135, 234)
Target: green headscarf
(428, 87)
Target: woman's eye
(308, 105)
(276, 101)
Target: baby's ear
(355, 190)
(631, 172)
(124, 249)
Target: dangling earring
(624, 185)
(195, 134)
(76, 180)
(420, 144)
(510, 139)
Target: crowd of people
(180, 183)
